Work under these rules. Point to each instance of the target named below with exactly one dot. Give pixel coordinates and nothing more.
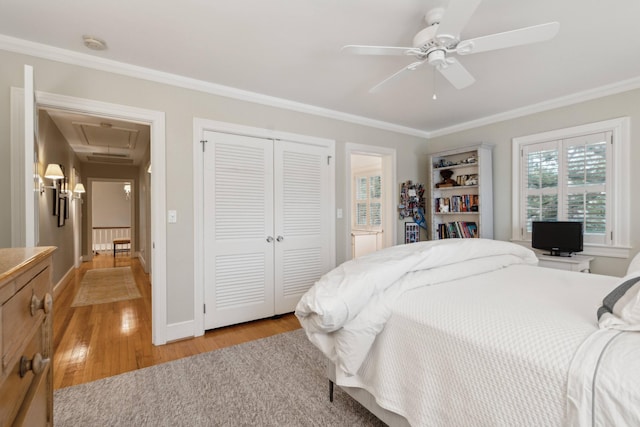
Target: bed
(473, 332)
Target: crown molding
(39, 50)
(587, 95)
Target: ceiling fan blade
(410, 67)
(456, 17)
(457, 75)
(534, 34)
(378, 50)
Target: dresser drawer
(23, 314)
(18, 392)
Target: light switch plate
(173, 217)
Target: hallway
(102, 340)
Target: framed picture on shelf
(411, 232)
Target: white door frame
(76, 211)
(389, 226)
(199, 127)
(156, 121)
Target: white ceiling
(290, 50)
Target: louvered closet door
(238, 219)
(302, 217)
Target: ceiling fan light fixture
(94, 43)
(437, 58)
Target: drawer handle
(37, 364)
(45, 304)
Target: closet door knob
(280, 238)
(269, 239)
(44, 304)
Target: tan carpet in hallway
(104, 285)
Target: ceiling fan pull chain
(434, 97)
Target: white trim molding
(180, 330)
(563, 101)
(620, 208)
(13, 44)
(388, 156)
(156, 121)
(200, 126)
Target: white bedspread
(491, 351)
(346, 309)
(604, 380)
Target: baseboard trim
(62, 284)
(180, 330)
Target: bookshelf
(462, 193)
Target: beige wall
(53, 148)
(110, 206)
(180, 107)
(500, 134)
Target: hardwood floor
(102, 340)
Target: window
(368, 201)
(575, 174)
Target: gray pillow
(621, 307)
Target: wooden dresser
(26, 337)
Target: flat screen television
(560, 238)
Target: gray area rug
(275, 381)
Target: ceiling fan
(441, 38)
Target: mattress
(491, 350)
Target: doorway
(157, 188)
(370, 194)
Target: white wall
(180, 107)
(501, 134)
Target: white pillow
(621, 307)
(634, 265)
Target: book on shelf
(473, 229)
(458, 229)
(462, 203)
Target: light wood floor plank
(102, 340)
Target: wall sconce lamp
(79, 189)
(54, 173)
(127, 190)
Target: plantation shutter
(568, 180)
(368, 201)
(375, 204)
(586, 184)
(540, 182)
(361, 200)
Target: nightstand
(581, 263)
